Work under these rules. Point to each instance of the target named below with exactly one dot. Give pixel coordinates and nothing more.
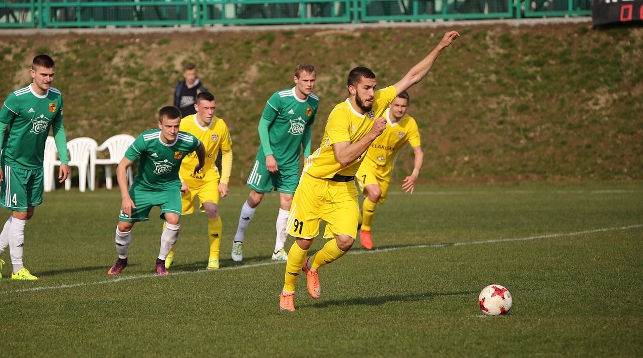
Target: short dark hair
(169, 112)
(207, 96)
(42, 61)
(304, 67)
(404, 95)
(357, 73)
(189, 66)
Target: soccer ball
(495, 300)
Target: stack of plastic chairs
(116, 146)
(82, 155)
(50, 160)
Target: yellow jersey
(215, 137)
(345, 124)
(382, 152)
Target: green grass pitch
(571, 255)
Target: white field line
(356, 252)
(514, 192)
(396, 191)
(495, 241)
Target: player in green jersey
(29, 113)
(284, 128)
(160, 153)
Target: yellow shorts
(322, 199)
(206, 191)
(367, 175)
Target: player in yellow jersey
(374, 174)
(208, 184)
(326, 189)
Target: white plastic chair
(49, 162)
(82, 150)
(116, 146)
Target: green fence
(199, 13)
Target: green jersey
(29, 117)
(285, 126)
(159, 164)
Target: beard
(361, 105)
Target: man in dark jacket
(186, 90)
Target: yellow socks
(296, 260)
(215, 227)
(368, 211)
(328, 253)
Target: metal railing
(199, 13)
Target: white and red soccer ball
(495, 300)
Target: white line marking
(357, 252)
(514, 192)
(395, 191)
(494, 241)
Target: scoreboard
(612, 12)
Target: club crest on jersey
(309, 111)
(52, 107)
(381, 159)
(296, 126)
(178, 155)
(162, 167)
(39, 124)
(215, 137)
(401, 135)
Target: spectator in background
(185, 91)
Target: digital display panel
(606, 12)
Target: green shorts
(319, 200)
(262, 181)
(21, 188)
(168, 200)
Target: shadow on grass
(380, 300)
(100, 268)
(198, 265)
(195, 265)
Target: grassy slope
(545, 102)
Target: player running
(206, 185)
(374, 174)
(327, 190)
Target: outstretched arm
(417, 73)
